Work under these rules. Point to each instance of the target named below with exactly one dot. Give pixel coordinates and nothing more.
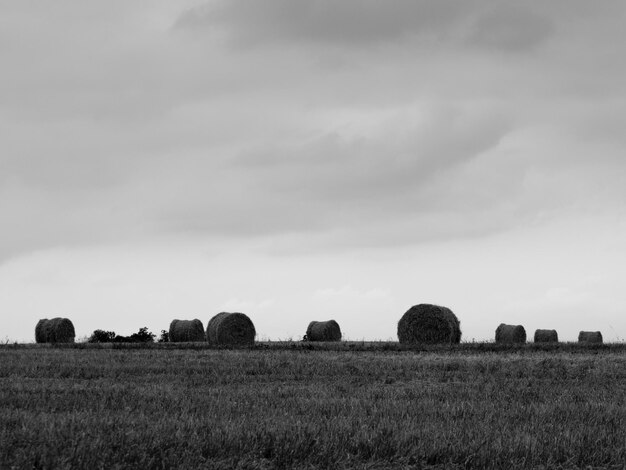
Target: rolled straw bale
(184, 331)
(546, 336)
(323, 331)
(510, 334)
(55, 330)
(590, 337)
(426, 323)
(230, 328)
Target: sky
(302, 160)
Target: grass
(295, 405)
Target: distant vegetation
(101, 336)
(142, 336)
(165, 337)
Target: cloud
(511, 28)
(359, 23)
(401, 168)
(471, 118)
(350, 293)
(239, 305)
(399, 156)
(351, 21)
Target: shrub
(142, 336)
(165, 337)
(101, 336)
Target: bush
(101, 336)
(142, 336)
(165, 337)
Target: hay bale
(230, 328)
(426, 323)
(185, 331)
(323, 331)
(55, 330)
(510, 334)
(546, 336)
(590, 337)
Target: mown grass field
(291, 405)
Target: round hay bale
(546, 336)
(230, 328)
(590, 337)
(55, 330)
(510, 334)
(185, 331)
(323, 331)
(426, 323)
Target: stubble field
(300, 406)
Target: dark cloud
(511, 28)
(461, 123)
(336, 183)
(351, 21)
(338, 168)
(365, 23)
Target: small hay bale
(590, 337)
(323, 331)
(510, 334)
(546, 336)
(55, 330)
(185, 331)
(426, 323)
(230, 328)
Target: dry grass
(164, 406)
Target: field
(290, 405)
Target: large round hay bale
(323, 331)
(510, 334)
(426, 323)
(230, 328)
(184, 331)
(546, 336)
(590, 337)
(55, 330)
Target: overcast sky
(302, 160)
